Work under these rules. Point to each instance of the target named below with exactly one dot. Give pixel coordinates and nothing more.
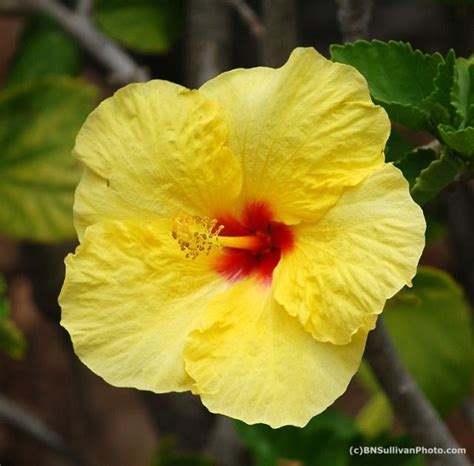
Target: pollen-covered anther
(195, 234)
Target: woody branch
(78, 24)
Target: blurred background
(57, 61)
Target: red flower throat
(265, 241)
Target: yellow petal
(95, 201)
(155, 148)
(302, 132)
(129, 300)
(343, 268)
(254, 362)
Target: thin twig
(354, 17)
(20, 419)
(249, 17)
(84, 7)
(281, 33)
(408, 401)
(122, 67)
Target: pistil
(196, 235)
(252, 243)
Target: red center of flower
(252, 245)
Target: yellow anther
(196, 234)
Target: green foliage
(146, 26)
(167, 455)
(4, 309)
(430, 327)
(424, 92)
(324, 441)
(331, 429)
(376, 416)
(462, 93)
(439, 101)
(41, 111)
(414, 162)
(38, 123)
(461, 140)
(44, 50)
(397, 147)
(399, 78)
(11, 340)
(435, 177)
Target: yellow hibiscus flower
(238, 240)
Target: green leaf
(461, 140)
(324, 441)
(376, 416)
(439, 101)
(366, 377)
(38, 175)
(4, 308)
(399, 78)
(414, 162)
(147, 26)
(430, 327)
(3, 287)
(462, 94)
(167, 455)
(44, 50)
(11, 339)
(397, 147)
(434, 178)
(330, 429)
